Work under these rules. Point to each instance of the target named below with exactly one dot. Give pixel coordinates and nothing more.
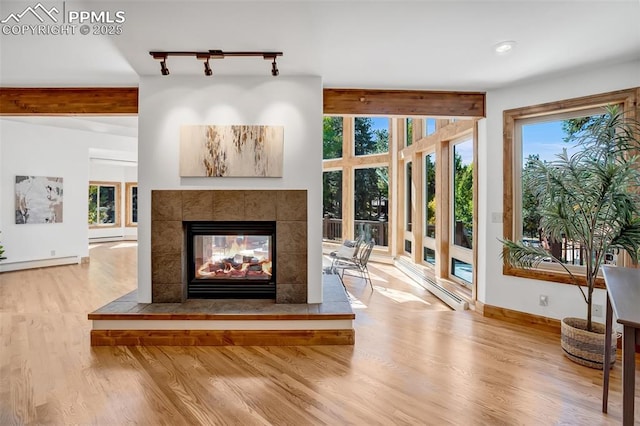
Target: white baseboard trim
(6, 266)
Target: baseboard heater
(107, 239)
(417, 274)
(6, 266)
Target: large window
(371, 195)
(332, 137)
(462, 210)
(429, 126)
(131, 201)
(408, 131)
(104, 204)
(542, 132)
(371, 135)
(332, 205)
(429, 198)
(463, 193)
(408, 203)
(356, 181)
(427, 215)
(430, 195)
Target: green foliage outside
(463, 196)
(101, 204)
(93, 205)
(332, 194)
(430, 166)
(332, 137)
(368, 140)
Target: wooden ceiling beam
(406, 103)
(68, 101)
(124, 100)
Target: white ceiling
(428, 45)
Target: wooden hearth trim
(223, 317)
(221, 337)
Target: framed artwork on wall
(38, 199)
(231, 151)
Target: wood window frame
(118, 206)
(628, 98)
(128, 202)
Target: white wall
(166, 103)
(32, 149)
(518, 293)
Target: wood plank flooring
(415, 362)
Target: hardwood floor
(414, 362)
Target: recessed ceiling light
(504, 47)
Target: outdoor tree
(332, 137)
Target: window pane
(93, 204)
(429, 126)
(332, 205)
(371, 195)
(463, 193)
(107, 205)
(134, 204)
(462, 270)
(371, 135)
(332, 137)
(408, 198)
(429, 255)
(543, 141)
(407, 246)
(430, 195)
(408, 133)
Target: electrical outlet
(53, 252)
(544, 300)
(597, 311)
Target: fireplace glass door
(231, 259)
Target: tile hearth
(226, 322)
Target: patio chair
(357, 263)
(348, 251)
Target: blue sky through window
(544, 139)
(380, 123)
(465, 150)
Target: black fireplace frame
(228, 288)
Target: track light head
(207, 68)
(163, 67)
(274, 68)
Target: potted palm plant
(590, 198)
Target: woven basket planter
(585, 347)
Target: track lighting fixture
(163, 62)
(207, 68)
(163, 67)
(213, 54)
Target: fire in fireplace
(230, 259)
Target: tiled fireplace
(173, 210)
